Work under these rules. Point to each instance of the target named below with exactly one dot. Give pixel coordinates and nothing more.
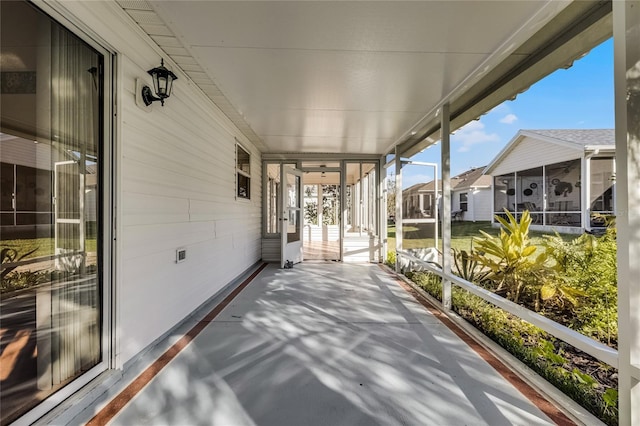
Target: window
(243, 173)
(330, 204)
(272, 198)
(463, 201)
(51, 164)
(311, 204)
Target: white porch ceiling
(338, 77)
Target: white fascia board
(602, 149)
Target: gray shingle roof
(471, 178)
(580, 136)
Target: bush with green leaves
(589, 265)
(540, 351)
(428, 281)
(19, 280)
(572, 282)
(516, 270)
(391, 259)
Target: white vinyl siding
(175, 188)
(478, 204)
(178, 191)
(531, 153)
(481, 202)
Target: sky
(580, 97)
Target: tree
(330, 197)
(391, 195)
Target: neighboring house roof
(579, 139)
(582, 137)
(421, 187)
(472, 178)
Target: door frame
(269, 235)
(340, 170)
(290, 251)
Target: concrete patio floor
(328, 344)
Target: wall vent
(181, 255)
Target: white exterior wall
(455, 199)
(478, 204)
(480, 199)
(176, 188)
(530, 153)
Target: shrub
(515, 270)
(429, 282)
(391, 259)
(540, 351)
(589, 264)
(20, 280)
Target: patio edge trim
(109, 411)
(547, 407)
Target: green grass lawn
(461, 235)
(43, 246)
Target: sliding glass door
(51, 227)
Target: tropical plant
(10, 257)
(467, 266)
(510, 258)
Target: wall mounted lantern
(162, 82)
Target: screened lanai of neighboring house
(564, 177)
(274, 146)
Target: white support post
(398, 161)
(446, 204)
(343, 206)
(383, 191)
(626, 32)
(586, 192)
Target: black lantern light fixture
(162, 82)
